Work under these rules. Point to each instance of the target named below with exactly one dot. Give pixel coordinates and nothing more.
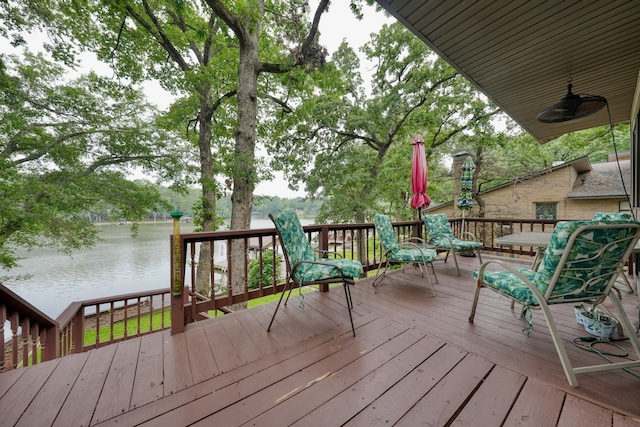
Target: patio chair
(408, 252)
(440, 235)
(580, 265)
(307, 267)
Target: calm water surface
(118, 264)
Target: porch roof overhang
(520, 53)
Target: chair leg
(288, 285)
(635, 341)
(625, 281)
(455, 260)
(569, 371)
(472, 315)
(378, 274)
(478, 251)
(347, 293)
(435, 276)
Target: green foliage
(66, 147)
(266, 276)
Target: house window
(546, 210)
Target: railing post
(362, 248)
(51, 345)
(177, 278)
(77, 332)
(3, 318)
(323, 245)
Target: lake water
(118, 264)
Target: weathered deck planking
(415, 359)
(148, 382)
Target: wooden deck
(415, 360)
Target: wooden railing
(353, 241)
(94, 323)
(33, 334)
(117, 318)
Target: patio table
(536, 239)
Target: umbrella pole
(462, 229)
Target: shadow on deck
(415, 360)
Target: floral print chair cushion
(306, 266)
(441, 235)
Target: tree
(65, 148)
(412, 91)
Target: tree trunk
(208, 182)
(244, 173)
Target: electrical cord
(591, 347)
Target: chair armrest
(431, 237)
(470, 234)
(325, 252)
(414, 239)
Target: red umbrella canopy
(420, 200)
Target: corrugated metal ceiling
(521, 53)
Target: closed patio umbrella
(465, 199)
(420, 200)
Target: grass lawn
(132, 327)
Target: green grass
(132, 327)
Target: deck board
(23, 390)
(402, 395)
(538, 404)
(345, 405)
(81, 401)
(201, 359)
(148, 381)
(440, 403)
(54, 392)
(492, 402)
(118, 385)
(177, 373)
(415, 359)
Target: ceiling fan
(572, 107)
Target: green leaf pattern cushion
(571, 283)
(509, 284)
(578, 282)
(387, 234)
(299, 249)
(413, 255)
(396, 251)
(611, 216)
(439, 229)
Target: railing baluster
(3, 319)
(34, 343)
(26, 327)
(14, 339)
